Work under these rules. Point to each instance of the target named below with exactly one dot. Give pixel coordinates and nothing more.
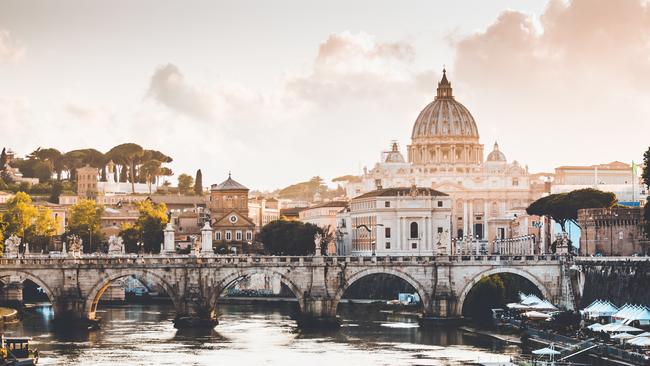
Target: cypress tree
(3, 159)
(198, 183)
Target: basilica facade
(446, 155)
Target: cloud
(88, 114)
(357, 66)
(10, 50)
(168, 87)
(578, 76)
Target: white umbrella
(644, 334)
(548, 351)
(514, 305)
(536, 315)
(623, 336)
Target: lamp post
(372, 243)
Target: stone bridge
(194, 283)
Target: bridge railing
(94, 259)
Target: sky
(279, 91)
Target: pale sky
(280, 91)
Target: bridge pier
(318, 313)
(195, 312)
(12, 294)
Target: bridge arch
(425, 296)
(525, 274)
(96, 292)
(241, 273)
(25, 275)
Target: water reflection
(253, 334)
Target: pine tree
(198, 183)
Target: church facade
(446, 155)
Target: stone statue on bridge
(318, 239)
(12, 245)
(75, 245)
(115, 245)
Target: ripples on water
(254, 335)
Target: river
(261, 334)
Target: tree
(34, 168)
(151, 223)
(198, 183)
(57, 188)
(84, 220)
(563, 207)
(185, 182)
(20, 214)
(127, 154)
(130, 236)
(282, 237)
(39, 234)
(487, 294)
(149, 171)
(52, 157)
(3, 159)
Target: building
(446, 155)
(614, 231)
(87, 180)
(615, 177)
(262, 211)
(229, 213)
(396, 221)
(324, 215)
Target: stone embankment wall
(619, 282)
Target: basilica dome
(444, 117)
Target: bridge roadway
(194, 283)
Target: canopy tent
(517, 306)
(623, 336)
(547, 351)
(596, 327)
(629, 313)
(618, 327)
(543, 305)
(640, 341)
(600, 308)
(536, 315)
(529, 299)
(644, 334)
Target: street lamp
(372, 243)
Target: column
(206, 239)
(470, 216)
(168, 244)
(465, 218)
(485, 220)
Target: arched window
(414, 230)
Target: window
(414, 230)
(387, 204)
(439, 229)
(502, 233)
(387, 232)
(414, 245)
(238, 235)
(439, 203)
(228, 236)
(515, 182)
(460, 233)
(249, 235)
(387, 245)
(217, 235)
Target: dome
(496, 154)
(393, 156)
(445, 117)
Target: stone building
(229, 213)
(87, 179)
(324, 215)
(262, 211)
(614, 231)
(446, 155)
(396, 221)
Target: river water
(261, 334)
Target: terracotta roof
(330, 204)
(401, 191)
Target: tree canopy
(84, 220)
(198, 183)
(185, 183)
(27, 221)
(563, 207)
(282, 237)
(151, 223)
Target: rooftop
(402, 191)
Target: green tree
(151, 223)
(149, 171)
(563, 207)
(84, 220)
(282, 237)
(52, 157)
(3, 159)
(127, 154)
(185, 183)
(57, 188)
(198, 183)
(130, 237)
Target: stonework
(617, 231)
